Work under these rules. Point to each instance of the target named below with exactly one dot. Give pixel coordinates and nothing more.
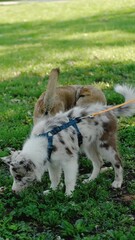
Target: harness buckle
(50, 134)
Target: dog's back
(63, 98)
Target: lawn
(93, 42)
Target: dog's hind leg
(70, 168)
(93, 154)
(116, 162)
(110, 153)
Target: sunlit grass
(62, 32)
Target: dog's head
(88, 95)
(83, 97)
(22, 170)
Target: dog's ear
(15, 153)
(77, 94)
(7, 160)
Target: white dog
(55, 143)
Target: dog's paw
(116, 184)
(104, 169)
(69, 194)
(86, 180)
(46, 192)
(90, 178)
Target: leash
(109, 109)
(55, 130)
(73, 122)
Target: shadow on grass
(32, 85)
(49, 31)
(36, 42)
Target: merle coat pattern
(99, 142)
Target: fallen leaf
(128, 197)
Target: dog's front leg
(54, 174)
(70, 168)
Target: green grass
(93, 42)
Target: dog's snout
(14, 190)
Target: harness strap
(54, 131)
(74, 124)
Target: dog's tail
(51, 89)
(129, 94)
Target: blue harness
(55, 130)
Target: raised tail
(129, 94)
(51, 89)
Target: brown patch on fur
(54, 148)
(60, 139)
(104, 145)
(117, 165)
(64, 100)
(68, 151)
(109, 135)
(74, 132)
(118, 159)
(27, 167)
(72, 138)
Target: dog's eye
(18, 177)
(29, 179)
(14, 169)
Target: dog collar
(55, 130)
